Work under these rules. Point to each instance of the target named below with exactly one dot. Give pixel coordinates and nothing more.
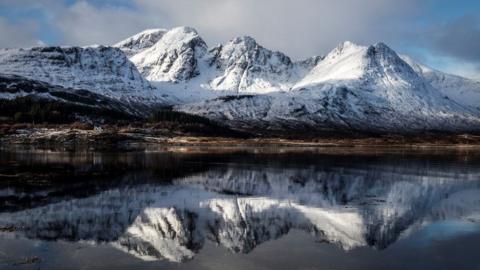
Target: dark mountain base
(36, 110)
(29, 101)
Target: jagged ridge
(363, 88)
(103, 70)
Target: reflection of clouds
(240, 208)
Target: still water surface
(196, 208)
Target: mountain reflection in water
(167, 205)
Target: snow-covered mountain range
(239, 66)
(240, 83)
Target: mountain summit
(141, 41)
(173, 57)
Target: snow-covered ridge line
(141, 41)
(462, 90)
(181, 56)
(368, 88)
(103, 70)
(240, 65)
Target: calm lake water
(251, 208)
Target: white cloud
(461, 68)
(299, 28)
(85, 24)
(17, 35)
(448, 64)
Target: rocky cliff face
(174, 57)
(243, 65)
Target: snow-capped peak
(247, 42)
(345, 62)
(183, 34)
(246, 48)
(174, 57)
(386, 62)
(141, 41)
(243, 65)
(349, 62)
(345, 47)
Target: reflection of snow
(241, 208)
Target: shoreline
(127, 139)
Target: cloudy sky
(444, 34)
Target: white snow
(346, 62)
(103, 70)
(462, 90)
(141, 41)
(173, 58)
